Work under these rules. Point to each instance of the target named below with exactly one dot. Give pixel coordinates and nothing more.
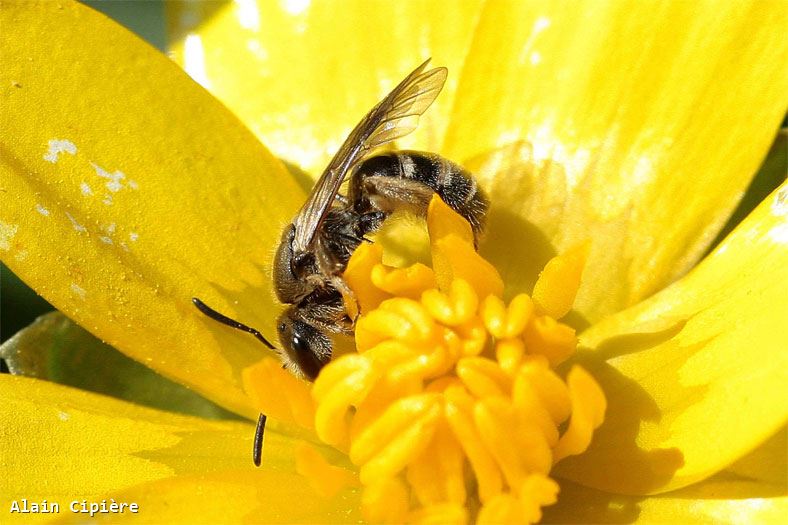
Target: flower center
(450, 402)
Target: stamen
(326, 479)
(452, 309)
(443, 513)
(279, 394)
(436, 475)
(451, 409)
(385, 501)
(503, 322)
(588, 411)
(546, 336)
(556, 288)
(403, 282)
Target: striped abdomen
(408, 179)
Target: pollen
(451, 407)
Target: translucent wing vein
(393, 117)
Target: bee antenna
(216, 316)
(257, 450)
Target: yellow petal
(56, 349)
(127, 190)
(235, 496)
(768, 462)
(695, 376)
(62, 445)
(645, 123)
(722, 499)
(302, 74)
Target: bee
(315, 247)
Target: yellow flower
(126, 190)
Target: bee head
(307, 349)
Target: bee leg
(370, 222)
(354, 240)
(387, 194)
(350, 302)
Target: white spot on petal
(43, 211)
(780, 204)
(107, 200)
(77, 289)
(779, 208)
(62, 416)
(77, 226)
(295, 7)
(7, 232)
(134, 236)
(779, 233)
(541, 24)
(105, 239)
(248, 15)
(115, 179)
(526, 52)
(58, 146)
(254, 47)
(133, 184)
(643, 171)
(85, 189)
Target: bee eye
(309, 348)
(300, 345)
(282, 327)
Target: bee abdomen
(409, 178)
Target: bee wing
(393, 117)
